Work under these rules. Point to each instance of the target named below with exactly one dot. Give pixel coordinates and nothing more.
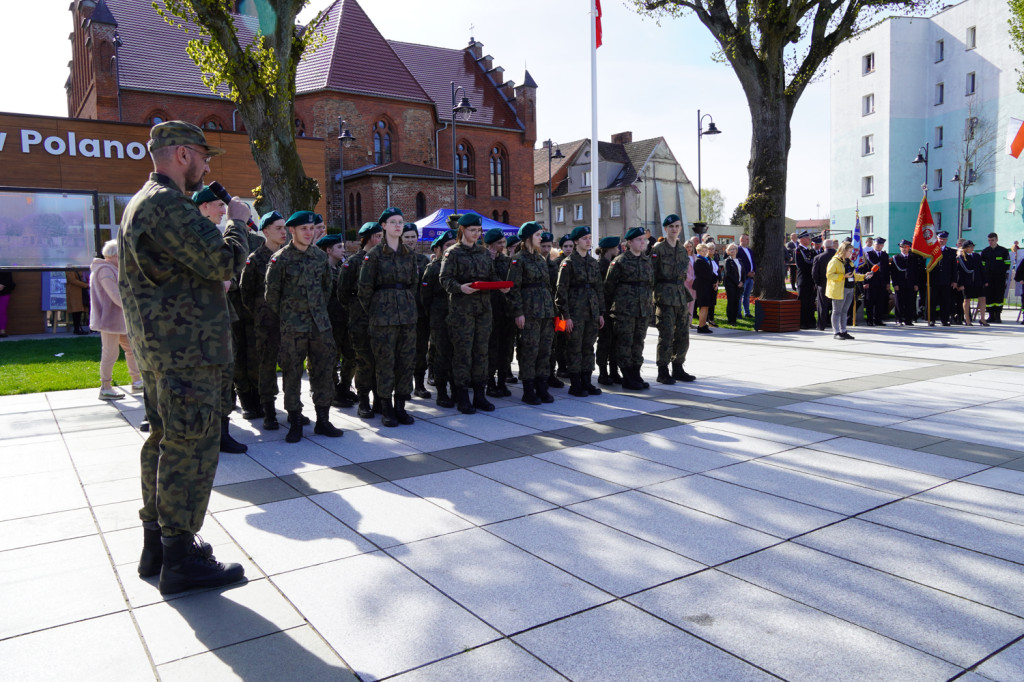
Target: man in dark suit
(747, 269)
(876, 291)
(818, 268)
(941, 282)
(804, 282)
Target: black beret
(447, 235)
(564, 238)
(388, 212)
(328, 240)
(581, 231)
(369, 229)
(547, 238)
(608, 242)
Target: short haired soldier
(579, 300)
(672, 300)
(628, 293)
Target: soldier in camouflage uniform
(435, 301)
(388, 284)
(358, 323)
(266, 326)
(579, 300)
(672, 302)
(469, 313)
(533, 311)
(173, 263)
(559, 364)
(410, 237)
(628, 289)
(607, 364)
(333, 245)
(298, 286)
(501, 332)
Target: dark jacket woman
(705, 283)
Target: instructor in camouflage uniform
(533, 311)
(579, 300)
(672, 302)
(173, 265)
(628, 289)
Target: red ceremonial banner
(926, 242)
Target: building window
(559, 214)
(940, 93)
(970, 127)
(586, 178)
(156, 117)
(868, 105)
(494, 215)
(867, 145)
(382, 143)
(351, 209)
(359, 208)
(577, 212)
(466, 165)
(504, 217)
(971, 83)
(868, 63)
(867, 185)
(938, 221)
(972, 38)
(300, 128)
(499, 176)
(616, 208)
(938, 136)
(867, 225)
(938, 179)
(212, 124)
(940, 50)
(970, 219)
(538, 202)
(421, 205)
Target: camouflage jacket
(553, 264)
(253, 286)
(388, 284)
(335, 310)
(498, 302)
(671, 266)
(530, 295)
(627, 286)
(422, 261)
(579, 293)
(298, 285)
(348, 288)
(432, 294)
(238, 309)
(173, 265)
(463, 264)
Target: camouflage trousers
(500, 344)
(422, 343)
(318, 347)
(470, 335)
(394, 354)
(606, 342)
(673, 323)
(268, 343)
(227, 390)
(440, 348)
(579, 347)
(343, 345)
(359, 337)
(179, 458)
(246, 375)
(535, 348)
(630, 333)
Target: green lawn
(741, 322)
(32, 366)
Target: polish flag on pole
(926, 241)
(597, 43)
(1015, 137)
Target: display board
(44, 229)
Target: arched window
(352, 211)
(504, 217)
(531, 111)
(494, 216)
(212, 123)
(155, 117)
(359, 209)
(421, 205)
(381, 143)
(464, 158)
(499, 176)
(300, 128)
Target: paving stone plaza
(809, 509)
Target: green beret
(301, 218)
(492, 235)
(470, 219)
(268, 218)
(563, 239)
(388, 212)
(547, 238)
(512, 241)
(318, 219)
(634, 232)
(204, 196)
(177, 133)
(669, 219)
(328, 240)
(608, 243)
(529, 229)
(369, 229)
(446, 236)
(411, 227)
(581, 231)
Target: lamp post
(923, 158)
(700, 227)
(345, 139)
(557, 155)
(961, 191)
(465, 110)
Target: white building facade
(945, 85)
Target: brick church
(129, 65)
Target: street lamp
(463, 110)
(961, 191)
(923, 158)
(557, 155)
(345, 139)
(700, 227)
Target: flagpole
(595, 205)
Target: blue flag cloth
(857, 254)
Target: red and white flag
(1014, 137)
(926, 242)
(598, 41)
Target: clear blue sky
(651, 79)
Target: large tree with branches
(776, 48)
(256, 71)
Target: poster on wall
(47, 229)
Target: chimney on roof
(525, 103)
(498, 74)
(622, 138)
(487, 61)
(508, 90)
(475, 49)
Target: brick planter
(777, 316)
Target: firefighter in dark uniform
(904, 274)
(997, 265)
(941, 281)
(876, 291)
(804, 257)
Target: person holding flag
(941, 283)
(926, 245)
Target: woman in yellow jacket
(840, 279)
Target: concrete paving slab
(856, 471)
(327, 480)
(27, 424)
(473, 497)
(974, 452)
(42, 493)
(1000, 479)
(623, 469)
(903, 458)
(408, 466)
(752, 428)
(592, 433)
(469, 424)
(365, 445)
(547, 481)
(46, 528)
(120, 490)
(1006, 666)
(260, 491)
(427, 436)
(281, 458)
(683, 456)
(997, 504)
(702, 435)
(835, 411)
(497, 661)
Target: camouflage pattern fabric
(227, 390)
(268, 347)
(673, 323)
(630, 333)
(394, 351)
(628, 289)
(388, 285)
(606, 335)
(435, 301)
(503, 330)
(339, 328)
(469, 315)
(531, 297)
(358, 321)
(252, 287)
(246, 362)
(671, 300)
(318, 348)
(534, 348)
(579, 296)
(422, 320)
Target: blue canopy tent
(437, 222)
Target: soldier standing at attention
(997, 265)
(628, 286)
(266, 326)
(469, 313)
(435, 300)
(369, 236)
(334, 246)
(410, 237)
(559, 365)
(173, 265)
(672, 301)
(387, 288)
(579, 300)
(533, 311)
(298, 286)
(501, 333)
(942, 284)
(607, 364)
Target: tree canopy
(711, 204)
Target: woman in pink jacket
(107, 318)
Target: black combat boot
(540, 385)
(530, 393)
(227, 443)
(251, 408)
(480, 400)
(431, 381)
(503, 391)
(324, 427)
(153, 550)
(186, 566)
(509, 376)
(630, 379)
(364, 411)
(462, 400)
(602, 376)
(639, 377)
(587, 382)
(576, 385)
(421, 391)
(270, 417)
(613, 372)
(663, 376)
(376, 403)
(401, 415)
(387, 413)
(340, 398)
(492, 387)
(680, 374)
(555, 382)
(443, 399)
(294, 427)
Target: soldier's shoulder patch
(564, 264)
(248, 260)
(612, 264)
(654, 255)
(273, 259)
(366, 257)
(345, 264)
(514, 261)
